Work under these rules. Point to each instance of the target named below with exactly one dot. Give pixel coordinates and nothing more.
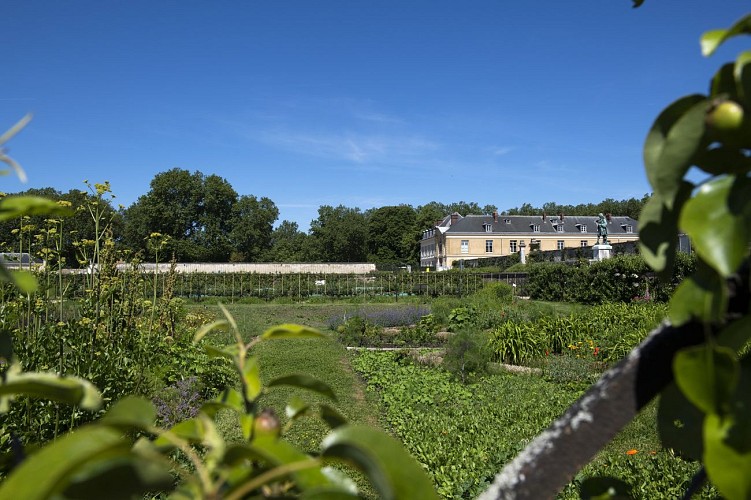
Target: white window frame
(561, 245)
(535, 228)
(488, 246)
(465, 246)
(583, 228)
(583, 243)
(513, 247)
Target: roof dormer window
(582, 228)
(535, 228)
(628, 228)
(507, 221)
(488, 227)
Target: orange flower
(632, 452)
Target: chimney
(608, 216)
(495, 216)
(544, 217)
(560, 216)
(454, 217)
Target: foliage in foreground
(100, 458)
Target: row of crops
(236, 286)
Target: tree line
(201, 218)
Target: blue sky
(364, 104)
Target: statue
(602, 230)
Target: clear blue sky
(364, 104)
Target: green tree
(252, 228)
(339, 235)
(391, 232)
(288, 244)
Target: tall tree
(288, 244)
(252, 228)
(339, 234)
(391, 233)
(203, 217)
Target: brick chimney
(560, 215)
(454, 217)
(544, 217)
(495, 216)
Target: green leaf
(252, 379)
(12, 207)
(190, 430)
(390, 469)
(723, 82)
(292, 331)
(703, 296)
(23, 280)
(45, 474)
(680, 423)
(120, 477)
(214, 352)
(71, 390)
(742, 74)
(296, 408)
(727, 468)
(279, 452)
(723, 160)
(658, 229)
(718, 221)
(305, 382)
(736, 335)
(221, 324)
(707, 375)
(229, 399)
(671, 144)
(603, 488)
(713, 39)
(131, 412)
(332, 417)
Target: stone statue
(602, 229)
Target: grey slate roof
(523, 224)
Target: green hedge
(619, 279)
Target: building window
(488, 227)
(488, 246)
(512, 246)
(465, 246)
(507, 221)
(629, 228)
(583, 243)
(560, 245)
(535, 228)
(583, 228)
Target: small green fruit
(725, 116)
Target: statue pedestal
(601, 252)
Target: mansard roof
(517, 224)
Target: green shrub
(467, 354)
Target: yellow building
(477, 236)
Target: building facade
(476, 236)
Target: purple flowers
(393, 316)
(178, 402)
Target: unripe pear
(726, 116)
